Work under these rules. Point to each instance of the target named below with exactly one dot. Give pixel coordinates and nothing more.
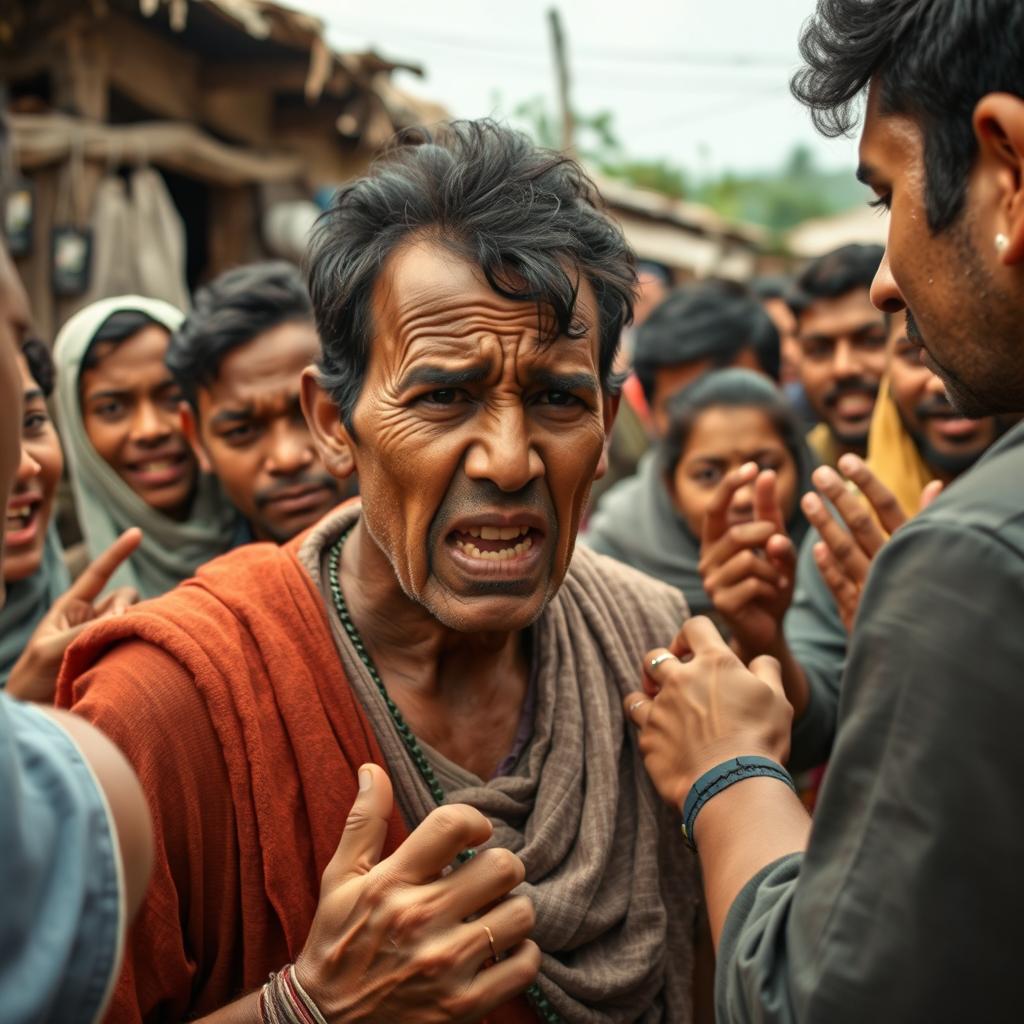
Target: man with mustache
(903, 901)
(238, 357)
(842, 347)
(469, 297)
(916, 437)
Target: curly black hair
(931, 60)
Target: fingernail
(365, 779)
(849, 463)
(749, 467)
(823, 476)
(809, 502)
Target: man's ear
(331, 438)
(999, 128)
(190, 428)
(609, 412)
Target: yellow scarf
(893, 456)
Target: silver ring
(638, 703)
(655, 662)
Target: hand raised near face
(34, 675)
(844, 555)
(705, 709)
(396, 940)
(748, 568)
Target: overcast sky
(701, 82)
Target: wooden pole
(562, 79)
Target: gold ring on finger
(655, 662)
(638, 703)
(490, 940)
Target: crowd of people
(480, 625)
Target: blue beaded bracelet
(720, 778)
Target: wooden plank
(156, 74)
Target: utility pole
(561, 79)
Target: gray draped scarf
(615, 890)
(28, 601)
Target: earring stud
(1001, 242)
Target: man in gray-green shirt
(904, 901)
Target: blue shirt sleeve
(62, 928)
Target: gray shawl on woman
(636, 523)
(170, 551)
(28, 600)
(613, 886)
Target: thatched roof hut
(236, 104)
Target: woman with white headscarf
(129, 463)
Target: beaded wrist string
(537, 999)
(284, 1001)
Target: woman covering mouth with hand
(129, 463)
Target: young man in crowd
(238, 358)
(701, 327)
(903, 902)
(842, 347)
(469, 297)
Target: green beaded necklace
(537, 998)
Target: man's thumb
(366, 828)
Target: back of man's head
(709, 324)
(229, 312)
(837, 273)
(930, 61)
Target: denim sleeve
(62, 926)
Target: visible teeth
(157, 466)
(499, 532)
(496, 556)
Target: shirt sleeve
(907, 904)
(62, 925)
(817, 639)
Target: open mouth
(160, 470)
(954, 428)
(854, 406)
(22, 522)
(495, 543)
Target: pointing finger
(97, 574)
(883, 501)
(716, 513)
(766, 502)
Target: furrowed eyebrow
(566, 381)
(232, 415)
(35, 394)
(441, 376)
(109, 393)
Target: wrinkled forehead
(429, 301)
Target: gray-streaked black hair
(529, 218)
(230, 311)
(708, 321)
(118, 327)
(737, 388)
(843, 270)
(932, 60)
